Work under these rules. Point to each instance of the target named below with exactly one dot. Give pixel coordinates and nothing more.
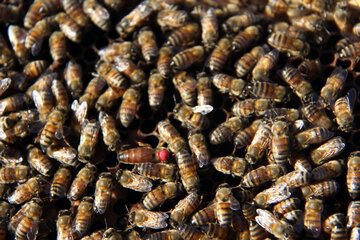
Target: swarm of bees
(179, 119)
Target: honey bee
(73, 78)
(160, 194)
(88, 139)
(38, 10)
(95, 235)
(184, 208)
(57, 43)
(64, 154)
(92, 91)
(187, 169)
(312, 218)
(128, 106)
(259, 144)
(75, 11)
(189, 118)
(53, 128)
(27, 226)
(82, 180)
(336, 219)
(295, 178)
(275, 194)
(248, 60)
(63, 225)
(264, 65)
(343, 110)
(286, 206)
(301, 163)
(321, 189)
(225, 131)
(137, 155)
(107, 100)
(170, 135)
(134, 19)
(342, 43)
(280, 142)
(279, 228)
(83, 216)
(295, 217)
(112, 76)
(309, 68)
(287, 29)
(184, 36)
(133, 181)
(188, 232)
(209, 26)
(111, 234)
(35, 68)
(333, 86)
(215, 231)
(166, 234)
(249, 211)
(204, 216)
(156, 90)
(60, 182)
(292, 46)
(235, 23)
(352, 173)
(256, 232)
(249, 107)
(148, 219)
(130, 70)
(171, 18)
(327, 171)
(165, 172)
(230, 165)
(313, 136)
(110, 134)
(328, 150)
(225, 205)
(147, 41)
(103, 190)
(188, 57)
(69, 27)
(43, 82)
(37, 33)
(227, 84)
(97, 14)
(245, 38)
(39, 161)
(353, 217)
(13, 174)
(43, 100)
(25, 191)
(262, 175)
(164, 60)
(316, 116)
(244, 137)
(17, 36)
(186, 85)
(204, 94)
(19, 130)
(351, 50)
(198, 148)
(125, 49)
(60, 94)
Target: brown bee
(209, 26)
(39, 161)
(186, 85)
(187, 169)
(38, 10)
(164, 60)
(4, 85)
(343, 110)
(128, 106)
(312, 218)
(295, 178)
(61, 182)
(73, 78)
(148, 219)
(225, 205)
(163, 235)
(63, 225)
(60, 94)
(43, 82)
(134, 19)
(137, 155)
(111, 136)
(264, 65)
(249, 211)
(82, 220)
(95, 235)
(24, 192)
(171, 136)
(75, 11)
(316, 116)
(13, 174)
(248, 60)
(216, 231)
(205, 215)
(184, 208)
(133, 181)
(57, 43)
(219, 55)
(287, 29)
(124, 49)
(97, 13)
(147, 41)
(245, 38)
(156, 90)
(17, 36)
(227, 84)
(88, 139)
(165, 172)
(327, 171)
(35, 68)
(309, 68)
(249, 107)
(230, 165)
(108, 99)
(37, 33)
(353, 217)
(92, 91)
(204, 94)
(43, 100)
(188, 232)
(63, 154)
(102, 194)
(279, 228)
(171, 18)
(328, 150)
(353, 172)
(69, 27)
(300, 162)
(286, 206)
(130, 70)
(256, 232)
(111, 234)
(262, 175)
(225, 131)
(160, 194)
(112, 76)
(235, 23)
(336, 219)
(82, 180)
(188, 57)
(259, 143)
(351, 50)
(244, 137)
(321, 189)
(184, 36)
(333, 86)
(280, 142)
(198, 148)
(313, 136)
(274, 194)
(292, 46)
(190, 119)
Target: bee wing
(265, 219)
(121, 64)
(259, 135)
(343, 73)
(329, 148)
(36, 47)
(277, 193)
(203, 109)
(234, 204)
(37, 99)
(80, 110)
(4, 85)
(156, 220)
(33, 230)
(350, 98)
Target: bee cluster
(179, 119)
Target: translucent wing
(203, 109)
(350, 98)
(122, 64)
(4, 85)
(266, 220)
(234, 204)
(156, 220)
(37, 99)
(33, 230)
